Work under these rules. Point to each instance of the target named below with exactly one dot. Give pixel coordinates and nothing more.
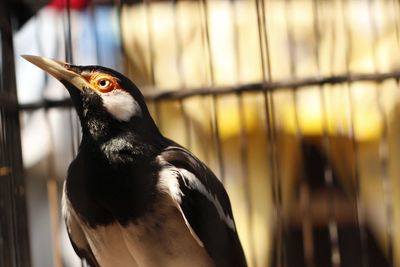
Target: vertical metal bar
(10, 181)
(14, 237)
(6, 245)
(359, 204)
(307, 223)
(38, 22)
(306, 220)
(243, 152)
(206, 149)
(52, 193)
(236, 50)
(217, 139)
(396, 11)
(186, 122)
(69, 58)
(374, 33)
(182, 83)
(149, 25)
(386, 180)
(93, 21)
(51, 182)
(179, 47)
(328, 171)
(4, 190)
(7, 205)
(119, 6)
(214, 101)
(68, 38)
(279, 235)
(243, 137)
(383, 144)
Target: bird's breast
(159, 238)
(101, 194)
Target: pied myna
(133, 197)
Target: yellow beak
(60, 70)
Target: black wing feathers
(221, 242)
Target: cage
(292, 103)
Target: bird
(132, 197)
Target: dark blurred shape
(349, 243)
(21, 11)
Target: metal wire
(243, 139)
(396, 9)
(306, 221)
(383, 144)
(214, 103)
(359, 204)
(243, 152)
(150, 43)
(386, 180)
(69, 58)
(95, 31)
(296, 84)
(279, 239)
(179, 67)
(14, 238)
(328, 171)
(73, 120)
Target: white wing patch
(169, 182)
(121, 105)
(195, 183)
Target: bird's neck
(121, 146)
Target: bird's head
(105, 100)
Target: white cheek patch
(121, 105)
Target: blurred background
(294, 104)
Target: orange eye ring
(104, 84)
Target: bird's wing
(206, 208)
(76, 235)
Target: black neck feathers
(102, 193)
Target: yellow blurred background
(354, 126)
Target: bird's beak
(60, 70)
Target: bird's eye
(105, 85)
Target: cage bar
(214, 101)
(278, 255)
(14, 238)
(328, 170)
(357, 200)
(383, 143)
